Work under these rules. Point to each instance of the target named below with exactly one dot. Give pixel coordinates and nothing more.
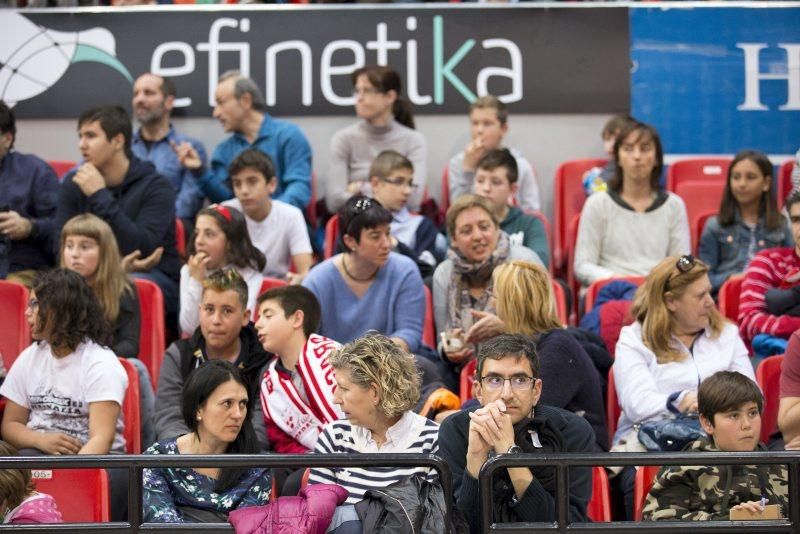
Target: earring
(199, 418)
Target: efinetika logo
(34, 58)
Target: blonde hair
(376, 359)
(110, 281)
(465, 202)
(15, 484)
(524, 298)
(650, 307)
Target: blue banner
(716, 80)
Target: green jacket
(527, 231)
(702, 493)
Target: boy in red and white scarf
(297, 388)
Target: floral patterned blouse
(168, 488)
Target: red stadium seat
(444, 198)
(697, 169)
(429, 326)
(645, 476)
(700, 196)
(599, 508)
(82, 495)
(331, 235)
(151, 330)
(266, 284)
(597, 285)
(15, 334)
(784, 182)
(574, 285)
(467, 374)
(768, 376)
(568, 199)
(61, 167)
(728, 297)
(696, 227)
(180, 238)
(561, 302)
(131, 410)
(613, 409)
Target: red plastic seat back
(574, 285)
(697, 169)
(180, 238)
(151, 330)
(467, 374)
(267, 284)
(696, 227)
(61, 167)
(331, 235)
(700, 197)
(15, 334)
(561, 302)
(599, 507)
(594, 289)
(429, 325)
(784, 182)
(81, 494)
(768, 376)
(728, 298)
(645, 476)
(444, 198)
(613, 409)
(131, 410)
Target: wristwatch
(514, 449)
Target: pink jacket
(310, 512)
(38, 508)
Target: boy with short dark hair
(392, 181)
(496, 179)
(488, 119)
(730, 406)
(596, 178)
(297, 386)
(276, 228)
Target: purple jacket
(310, 512)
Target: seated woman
(628, 229)
(386, 124)
(67, 365)
(748, 219)
(216, 408)
(20, 503)
(377, 387)
(526, 305)
(462, 284)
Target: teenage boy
(496, 179)
(276, 228)
(297, 386)
(730, 407)
(488, 118)
(225, 333)
(392, 180)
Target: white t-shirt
(281, 235)
(58, 391)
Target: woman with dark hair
(386, 124)
(216, 409)
(748, 219)
(628, 229)
(70, 365)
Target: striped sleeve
(765, 272)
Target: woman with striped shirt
(377, 386)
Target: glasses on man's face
(358, 91)
(518, 382)
(400, 182)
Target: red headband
(222, 210)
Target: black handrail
(136, 463)
(562, 462)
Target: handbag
(671, 434)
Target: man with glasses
(509, 421)
(413, 235)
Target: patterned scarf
(466, 273)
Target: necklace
(350, 275)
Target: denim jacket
(724, 248)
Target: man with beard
(156, 141)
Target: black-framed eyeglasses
(399, 182)
(684, 265)
(518, 382)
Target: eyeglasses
(399, 182)
(497, 382)
(358, 91)
(684, 264)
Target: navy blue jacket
(140, 211)
(29, 186)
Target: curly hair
(376, 359)
(68, 311)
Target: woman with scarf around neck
(462, 285)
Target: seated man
(277, 229)
(225, 333)
(508, 387)
(127, 193)
(297, 389)
(28, 193)
(730, 406)
(496, 180)
(415, 236)
(789, 407)
(760, 305)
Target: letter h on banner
(753, 77)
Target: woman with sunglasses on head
(386, 124)
(677, 340)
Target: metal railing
(136, 463)
(562, 463)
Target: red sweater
(768, 270)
